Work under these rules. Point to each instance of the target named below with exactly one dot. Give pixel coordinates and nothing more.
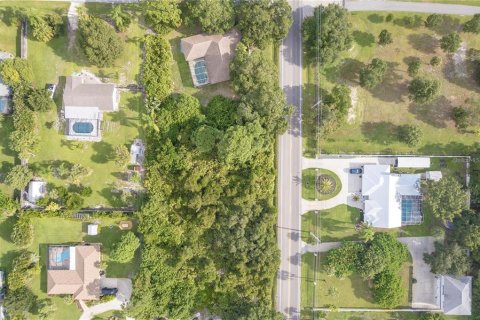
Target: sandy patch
(459, 61)
(352, 114)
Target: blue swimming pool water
(82, 127)
(201, 72)
(65, 255)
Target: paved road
(289, 171)
(376, 5)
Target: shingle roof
(217, 50)
(85, 91)
(457, 295)
(83, 282)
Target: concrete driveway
(426, 291)
(124, 293)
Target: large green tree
(44, 28)
(18, 177)
(157, 74)
(388, 289)
(328, 31)
(448, 259)
(206, 138)
(162, 15)
(262, 21)
(373, 74)
(20, 303)
(446, 198)
(214, 16)
(22, 233)
(473, 25)
(423, 90)
(124, 251)
(240, 142)
(120, 17)
(451, 42)
(335, 108)
(101, 45)
(16, 72)
(24, 267)
(342, 262)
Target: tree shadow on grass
(6, 228)
(347, 71)
(393, 88)
(6, 126)
(410, 22)
(448, 25)
(375, 18)
(104, 152)
(437, 114)
(456, 148)
(363, 39)
(182, 64)
(466, 80)
(382, 133)
(423, 42)
(114, 199)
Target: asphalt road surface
(289, 172)
(376, 5)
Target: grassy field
(58, 231)
(378, 113)
(351, 292)
(309, 191)
(334, 224)
(307, 315)
(462, 2)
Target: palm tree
(326, 185)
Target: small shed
(92, 229)
(433, 175)
(137, 152)
(456, 294)
(36, 189)
(412, 162)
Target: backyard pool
(201, 72)
(82, 127)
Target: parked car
(51, 87)
(3, 287)
(107, 291)
(356, 171)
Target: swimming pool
(201, 72)
(411, 210)
(82, 127)
(63, 256)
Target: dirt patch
(352, 114)
(459, 59)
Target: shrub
(122, 156)
(388, 290)
(473, 25)
(74, 201)
(433, 20)
(461, 118)
(22, 233)
(215, 16)
(23, 268)
(16, 71)
(18, 177)
(99, 41)
(450, 43)
(157, 76)
(7, 204)
(124, 251)
(162, 15)
(45, 28)
(389, 17)
(435, 61)
(385, 37)
(411, 134)
(414, 67)
(121, 19)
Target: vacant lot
(377, 114)
(351, 292)
(63, 231)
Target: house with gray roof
(456, 295)
(209, 56)
(85, 98)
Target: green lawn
(381, 111)
(463, 2)
(307, 315)
(64, 231)
(336, 224)
(353, 291)
(309, 191)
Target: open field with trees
(377, 120)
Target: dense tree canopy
(467, 229)
(255, 79)
(446, 198)
(373, 74)
(24, 267)
(157, 74)
(385, 37)
(263, 21)
(22, 233)
(121, 18)
(18, 177)
(473, 25)
(433, 20)
(448, 259)
(423, 90)
(45, 28)
(334, 32)
(342, 262)
(99, 42)
(388, 289)
(214, 16)
(16, 72)
(335, 108)
(162, 15)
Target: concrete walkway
(72, 26)
(421, 7)
(426, 291)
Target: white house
(85, 98)
(413, 162)
(391, 200)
